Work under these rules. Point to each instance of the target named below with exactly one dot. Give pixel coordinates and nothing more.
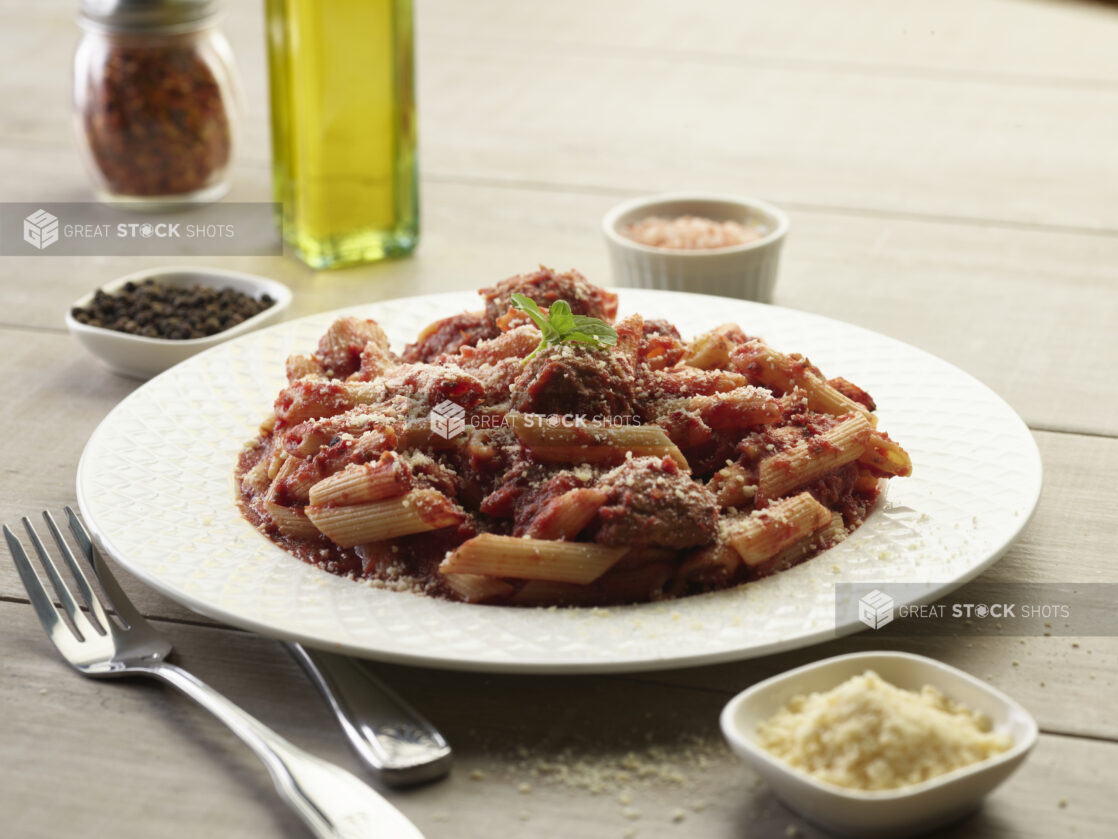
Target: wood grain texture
(904, 278)
(1001, 40)
(913, 145)
(180, 767)
(948, 169)
(958, 145)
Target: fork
(333, 803)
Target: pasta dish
(541, 451)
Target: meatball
(650, 502)
(575, 379)
(545, 286)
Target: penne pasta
(477, 588)
(590, 442)
(630, 330)
(374, 361)
(731, 486)
(531, 559)
(633, 585)
(256, 479)
(639, 555)
(516, 343)
(362, 482)
(825, 537)
(886, 456)
(738, 408)
(291, 521)
(310, 399)
(713, 564)
(813, 458)
(710, 351)
(766, 366)
(423, 509)
(548, 593)
(293, 481)
(339, 349)
(866, 482)
(683, 380)
(302, 366)
(765, 533)
(566, 515)
(417, 434)
(646, 582)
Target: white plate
(155, 486)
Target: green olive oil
(343, 128)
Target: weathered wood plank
(998, 303)
(88, 741)
(823, 139)
(895, 142)
(1006, 40)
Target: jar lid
(146, 15)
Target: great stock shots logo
(53, 229)
(448, 420)
(40, 229)
(875, 610)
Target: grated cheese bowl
(879, 814)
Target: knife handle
(388, 734)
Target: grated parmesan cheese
(870, 735)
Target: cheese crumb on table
(868, 734)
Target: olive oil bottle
(343, 128)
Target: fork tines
(85, 626)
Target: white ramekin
(881, 814)
(745, 271)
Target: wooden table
(950, 171)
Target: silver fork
(333, 803)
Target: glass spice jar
(154, 96)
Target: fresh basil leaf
(560, 317)
(580, 338)
(593, 326)
(529, 307)
(525, 303)
(560, 325)
(584, 338)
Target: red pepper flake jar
(154, 92)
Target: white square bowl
(906, 811)
(139, 357)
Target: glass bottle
(343, 128)
(154, 97)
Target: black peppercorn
(154, 310)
